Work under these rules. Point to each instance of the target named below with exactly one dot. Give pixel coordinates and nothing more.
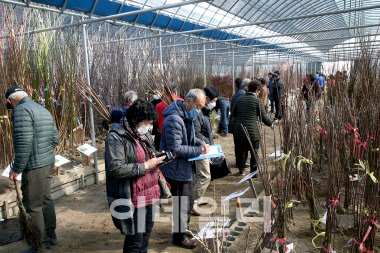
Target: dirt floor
(84, 223)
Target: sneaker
(241, 172)
(223, 134)
(187, 243)
(32, 250)
(53, 240)
(256, 175)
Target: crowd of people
(135, 161)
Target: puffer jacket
(240, 92)
(121, 168)
(178, 135)
(249, 111)
(278, 88)
(34, 136)
(203, 128)
(270, 89)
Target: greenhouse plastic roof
(218, 13)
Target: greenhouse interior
(126, 126)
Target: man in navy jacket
(178, 136)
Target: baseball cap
(12, 90)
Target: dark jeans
(271, 105)
(35, 187)
(138, 242)
(181, 207)
(157, 140)
(224, 111)
(276, 101)
(241, 154)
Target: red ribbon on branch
(280, 240)
(333, 202)
(373, 221)
(365, 238)
(361, 144)
(352, 129)
(271, 200)
(321, 131)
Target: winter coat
(240, 92)
(249, 111)
(121, 169)
(320, 81)
(278, 88)
(160, 107)
(315, 90)
(116, 115)
(34, 136)
(203, 127)
(178, 135)
(263, 95)
(270, 89)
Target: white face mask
(211, 105)
(142, 129)
(156, 97)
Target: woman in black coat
(132, 175)
(248, 111)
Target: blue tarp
(107, 7)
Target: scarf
(143, 139)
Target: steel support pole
(296, 75)
(268, 62)
(293, 72)
(233, 71)
(161, 65)
(90, 107)
(204, 64)
(288, 72)
(253, 64)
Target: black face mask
(9, 106)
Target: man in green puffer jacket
(34, 138)
(248, 111)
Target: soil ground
(84, 222)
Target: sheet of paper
(247, 177)
(355, 177)
(7, 171)
(324, 219)
(289, 248)
(60, 160)
(236, 194)
(86, 149)
(278, 154)
(215, 151)
(208, 231)
(211, 233)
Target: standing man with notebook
(178, 135)
(203, 131)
